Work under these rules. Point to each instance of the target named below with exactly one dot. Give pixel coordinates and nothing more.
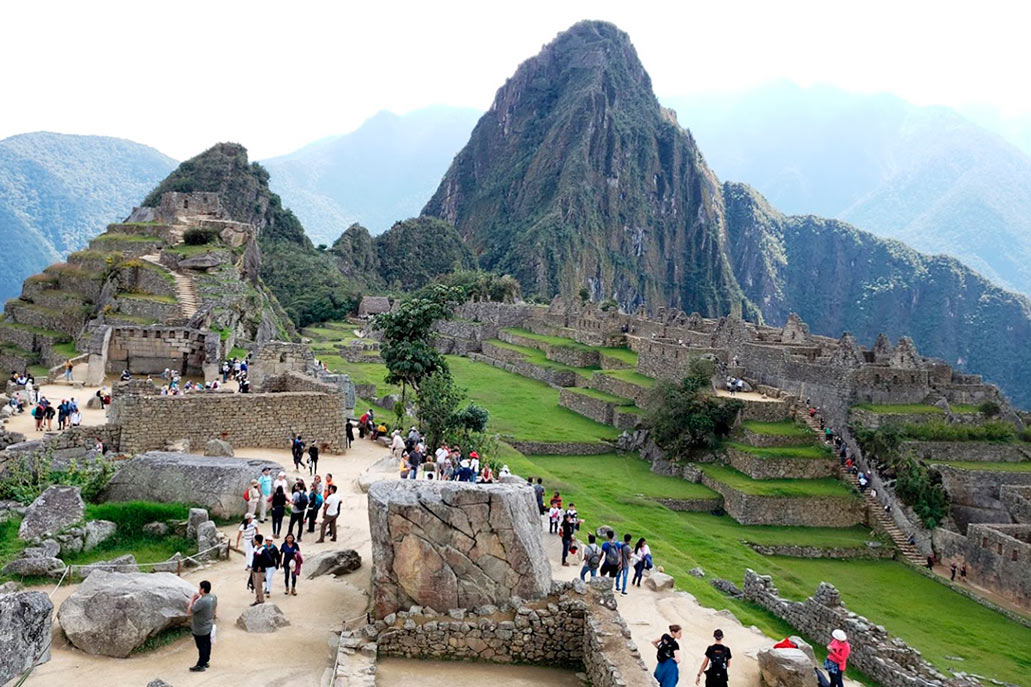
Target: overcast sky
(275, 75)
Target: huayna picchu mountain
(576, 178)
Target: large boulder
(37, 566)
(96, 532)
(262, 618)
(25, 619)
(210, 544)
(193, 521)
(658, 581)
(786, 668)
(334, 563)
(217, 447)
(216, 483)
(121, 564)
(110, 614)
(449, 545)
(52, 511)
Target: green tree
(438, 400)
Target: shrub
(197, 236)
(473, 418)
(989, 409)
(28, 477)
(687, 416)
(921, 490)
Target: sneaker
(293, 592)
(623, 593)
(197, 669)
(207, 665)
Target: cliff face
(576, 178)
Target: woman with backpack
(298, 507)
(667, 672)
(314, 504)
(289, 551)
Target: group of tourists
(271, 497)
(447, 463)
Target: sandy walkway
(398, 672)
(25, 424)
(295, 656)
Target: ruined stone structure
(885, 659)
(151, 350)
(997, 556)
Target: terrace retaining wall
(775, 440)
(971, 451)
(561, 448)
(618, 387)
(758, 467)
(836, 552)
(558, 378)
(801, 511)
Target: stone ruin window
(984, 542)
(894, 379)
(282, 357)
(876, 379)
(1000, 549)
(186, 204)
(912, 379)
(1014, 554)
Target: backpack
(593, 556)
(302, 500)
(247, 494)
(612, 555)
(718, 663)
(665, 649)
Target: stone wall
(500, 314)
(613, 385)
(561, 448)
(670, 361)
(596, 409)
(781, 468)
(887, 660)
(774, 440)
(692, 505)
(765, 411)
(979, 451)
(807, 511)
(836, 552)
(279, 357)
(257, 420)
(151, 350)
(560, 378)
(997, 557)
(1017, 499)
(976, 494)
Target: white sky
(276, 75)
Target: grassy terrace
(39, 331)
(154, 298)
(987, 466)
(602, 396)
(65, 350)
(631, 376)
(524, 408)
(625, 354)
(781, 488)
(117, 237)
(915, 409)
(537, 357)
(185, 251)
(809, 452)
(784, 428)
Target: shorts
(609, 570)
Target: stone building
(373, 305)
(997, 556)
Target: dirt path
(25, 424)
(295, 656)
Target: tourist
(568, 528)
(317, 485)
(260, 562)
(952, 573)
(313, 457)
(278, 510)
(298, 507)
(667, 672)
(556, 500)
(930, 561)
(716, 664)
(554, 515)
(247, 532)
(314, 503)
(252, 495)
(48, 415)
(280, 481)
(330, 512)
(62, 414)
(837, 656)
(624, 563)
(349, 434)
(328, 484)
(414, 461)
(202, 612)
(504, 472)
(963, 573)
(67, 370)
(538, 490)
(272, 557)
(571, 512)
(474, 465)
(610, 564)
(591, 557)
(486, 476)
(397, 445)
(75, 417)
(642, 560)
(289, 550)
(265, 482)
(297, 449)
(126, 375)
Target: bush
(989, 409)
(921, 490)
(473, 418)
(687, 416)
(196, 236)
(28, 477)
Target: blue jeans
(565, 548)
(622, 575)
(585, 569)
(413, 473)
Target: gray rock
(658, 581)
(785, 668)
(97, 531)
(696, 572)
(158, 682)
(212, 482)
(454, 545)
(110, 614)
(11, 507)
(193, 521)
(48, 548)
(603, 532)
(35, 567)
(94, 403)
(121, 564)
(207, 537)
(25, 627)
(172, 565)
(156, 528)
(204, 261)
(805, 647)
(11, 587)
(179, 446)
(217, 447)
(55, 509)
(335, 563)
(262, 618)
(727, 587)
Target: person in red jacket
(837, 656)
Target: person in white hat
(837, 656)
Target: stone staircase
(185, 292)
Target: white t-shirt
(249, 531)
(279, 483)
(475, 464)
(441, 455)
(332, 505)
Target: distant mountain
(376, 175)
(57, 191)
(923, 175)
(576, 179)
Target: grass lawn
(362, 373)
(185, 251)
(624, 354)
(784, 428)
(631, 376)
(329, 334)
(976, 465)
(784, 488)
(114, 236)
(524, 408)
(65, 350)
(619, 470)
(537, 357)
(803, 452)
(901, 408)
(925, 613)
(130, 517)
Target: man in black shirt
(568, 527)
(262, 561)
(717, 659)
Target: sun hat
(473, 454)
(840, 635)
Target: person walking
(253, 496)
(837, 657)
(568, 528)
(538, 491)
(278, 511)
(397, 445)
(247, 533)
(288, 551)
(313, 457)
(314, 503)
(592, 558)
(667, 671)
(625, 551)
(298, 506)
(330, 512)
(716, 664)
(610, 560)
(349, 435)
(272, 558)
(265, 482)
(297, 449)
(259, 564)
(642, 561)
(202, 609)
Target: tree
(438, 401)
(407, 348)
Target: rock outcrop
(25, 619)
(55, 509)
(451, 545)
(263, 618)
(110, 614)
(217, 483)
(217, 447)
(786, 668)
(334, 563)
